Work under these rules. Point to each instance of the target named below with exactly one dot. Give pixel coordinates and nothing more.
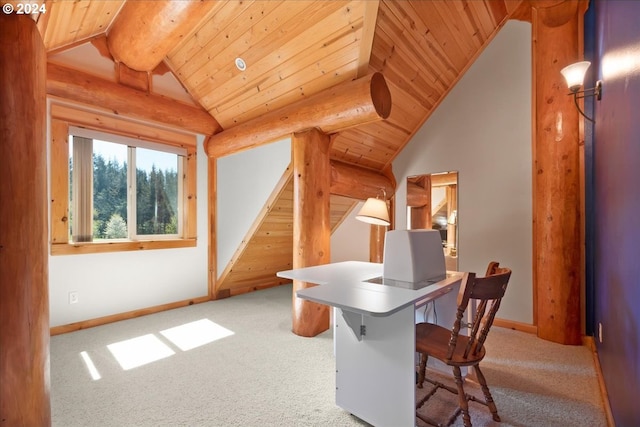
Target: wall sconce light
(374, 211)
(453, 218)
(574, 75)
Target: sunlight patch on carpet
(139, 351)
(91, 367)
(195, 334)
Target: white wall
(245, 180)
(350, 241)
(118, 282)
(483, 130)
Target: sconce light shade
(453, 218)
(374, 211)
(574, 74)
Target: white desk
(374, 337)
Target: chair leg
(487, 394)
(462, 397)
(423, 368)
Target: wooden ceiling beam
(340, 107)
(442, 179)
(145, 31)
(368, 32)
(358, 182)
(87, 89)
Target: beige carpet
(533, 382)
(264, 375)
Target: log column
(557, 35)
(452, 228)
(24, 294)
(311, 223)
(419, 200)
(378, 233)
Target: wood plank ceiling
(292, 49)
(295, 49)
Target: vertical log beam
(212, 191)
(376, 242)
(421, 215)
(377, 234)
(557, 35)
(311, 223)
(24, 301)
(452, 229)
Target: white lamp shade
(574, 74)
(453, 218)
(374, 211)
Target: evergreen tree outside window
(156, 192)
(135, 193)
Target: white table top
(344, 285)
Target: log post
(24, 293)
(311, 223)
(420, 213)
(417, 195)
(557, 33)
(377, 234)
(376, 242)
(452, 227)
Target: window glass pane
(109, 190)
(156, 192)
(122, 192)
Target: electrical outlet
(73, 297)
(600, 332)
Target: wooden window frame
(63, 115)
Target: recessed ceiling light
(240, 64)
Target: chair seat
(450, 346)
(434, 341)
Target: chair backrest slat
(488, 292)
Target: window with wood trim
(119, 189)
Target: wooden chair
(457, 349)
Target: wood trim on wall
(111, 246)
(71, 327)
(59, 155)
(190, 195)
(589, 342)
(91, 117)
(516, 326)
(211, 229)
